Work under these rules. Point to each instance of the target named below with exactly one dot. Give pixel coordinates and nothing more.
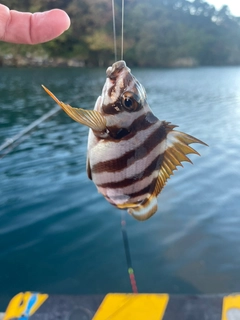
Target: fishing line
(128, 254)
(123, 221)
(122, 29)
(114, 31)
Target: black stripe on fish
(117, 133)
(113, 109)
(131, 156)
(143, 122)
(143, 193)
(154, 165)
(128, 79)
(119, 198)
(128, 102)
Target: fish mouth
(113, 71)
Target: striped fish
(131, 153)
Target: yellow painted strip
(41, 298)
(19, 303)
(132, 306)
(231, 307)
(14, 307)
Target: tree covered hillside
(158, 33)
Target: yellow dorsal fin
(91, 118)
(177, 147)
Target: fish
(131, 153)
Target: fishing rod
(128, 254)
(10, 141)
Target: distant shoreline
(44, 61)
(38, 61)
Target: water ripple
(56, 229)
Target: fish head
(123, 99)
(122, 103)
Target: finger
(28, 28)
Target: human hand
(28, 28)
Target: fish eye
(129, 102)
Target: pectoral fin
(91, 118)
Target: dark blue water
(58, 235)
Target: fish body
(131, 153)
